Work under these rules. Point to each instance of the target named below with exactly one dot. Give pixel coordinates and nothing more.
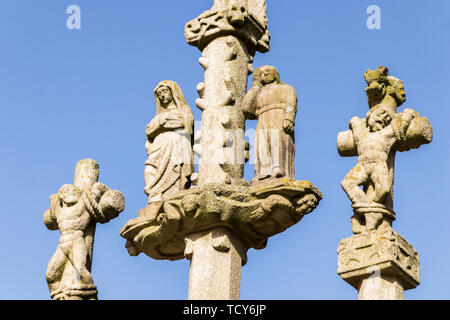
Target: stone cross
(75, 211)
(377, 261)
(217, 220)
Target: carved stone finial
(245, 19)
(75, 210)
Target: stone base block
(386, 255)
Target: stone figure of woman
(170, 160)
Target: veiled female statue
(170, 160)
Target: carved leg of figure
(277, 148)
(263, 156)
(383, 182)
(78, 258)
(373, 220)
(351, 183)
(55, 270)
(357, 224)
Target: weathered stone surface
(216, 258)
(220, 217)
(244, 19)
(253, 214)
(274, 104)
(375, 140)
(228, 35)
(75, 211)
(170, 160)
(392, 255)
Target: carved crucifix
(377, 261)
(375, 139)
(75, 211)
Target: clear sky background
(67, 95)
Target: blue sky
(67, 95)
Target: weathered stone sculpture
(170, 160)
(375, 140)
(274, 104)
(75, 211)
(216, 221)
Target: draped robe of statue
(272, 105)
(170, 160)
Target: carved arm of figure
(49, 215)
(411, 130)
(153, 128)
(347, 141)
(188, 120)
(168, 121)
(290, 99)
(358, 126)
(102, 203)
(249, 102)
(156, 126)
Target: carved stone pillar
(228, 35)
(216, 259)
(217, 220)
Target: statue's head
(379, 117)
(69, 194)
(377, 82)
(164, 95)
(237, 13)
(267, 75)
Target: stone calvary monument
(377, 261)
(75, 211)
(215, 216)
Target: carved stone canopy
(252, 213)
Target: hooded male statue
(274, 104)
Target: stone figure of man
(170, 160)
(75, 210)
(376, 138)
(274, 104)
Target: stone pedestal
(380, 265)
(216, 259)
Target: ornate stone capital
(387, 252)
(253, 214)
(245, 19)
